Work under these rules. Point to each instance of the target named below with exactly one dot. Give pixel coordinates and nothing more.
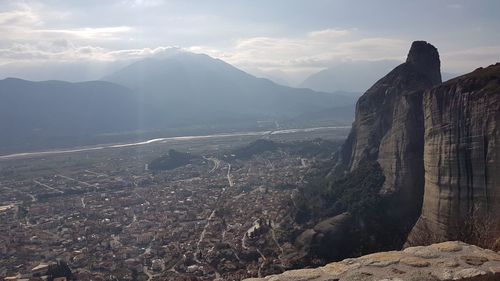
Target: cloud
(19, 17)
(328, 34)
(308, 51)
(374, 48)
(46, 52)
(469, 59)
(63, 51)
(37, 32)
(25, 23)
(295, 58)
(143, 3)
(27, 36)
(108, 33)
(141, 53)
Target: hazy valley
(286, 140)
(182, 94)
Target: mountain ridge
(185, 76)
(172, 92)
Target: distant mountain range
(178, 90)
(354, 77)
(188, 86)
(51, 111)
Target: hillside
(34, 114)
(194, 88)
(176, 94)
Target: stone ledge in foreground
(444, 261)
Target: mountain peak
(425, 58)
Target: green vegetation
(172, 160)
(355, 192)
(313, 148)
(308, 148)
(60, 269)
(257, 147)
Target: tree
(59, 269)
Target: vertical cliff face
(438, 148)
(442, 142)
(388, 129)
(387, 102)
(461, 159)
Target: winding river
(168, 139)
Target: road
(97, 174)
(146, 271)
(134, 219)
(48, 186)
(273, 235)
(229, 178)
(142, 197)
(215, 161)
(212, 215)
(33, 198)
(78, 181)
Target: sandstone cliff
(437, 147)
(444, 261)
(462, 159)
(388, 128)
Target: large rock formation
(438, 149)
(444, 261)
(388, 128)
(443, 143)
(462, 159)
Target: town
(110, 217)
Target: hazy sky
(288, 38)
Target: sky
(284, 39)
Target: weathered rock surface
(438, 147)
(388, 128)
(445, 261)
(328, 238)
(462, 158)
(440, 141)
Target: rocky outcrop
(438, 148)
(444, 261)
(388, 128)
(328, 238)
(439, 141)
(462, 159)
